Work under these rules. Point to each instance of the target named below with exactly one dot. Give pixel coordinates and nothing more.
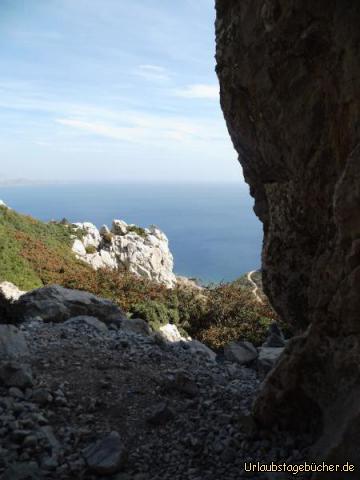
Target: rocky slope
(34, 253)
(144, 252)
(290, 94)
(86, 393)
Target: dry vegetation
(33, 254)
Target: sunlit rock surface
(144, 252)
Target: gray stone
(57, 304)
(243, 353)
(14, 374)
(12, 342)
(274, 341)
(16, 392)
(275, 337)
(160, 414)
(197, 347)
(106, 456)
(267, 359)
(41, 396)
(136, 325)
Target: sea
(213, 232)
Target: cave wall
(289, 75)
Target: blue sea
(213, 233)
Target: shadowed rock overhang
(289, 74)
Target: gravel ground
(179, 415)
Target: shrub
(138, 230)
(232, 313)
(107, 237)
(90, 249)
(34, 253)
(155, 313)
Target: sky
(111, 90)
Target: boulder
(243, 353)
(108, 259)
(10, 292)
(136, 325)
(42, 396)
(198, 348)
(267, 359)
(160, 414)
(57, 304)
(79, 248)
(106, 456)
(275, 337)
(15, 374)
(170, 333)
(12, 342)
(119, 227)
(91, 235)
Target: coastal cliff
(289, 77)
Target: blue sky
(111, 90)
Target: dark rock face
(290, 81)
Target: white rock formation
(10, 292)
(144, 252)
(171, 334)
(92, 237)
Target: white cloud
(152, 73)
(199, 90)
(137, 127)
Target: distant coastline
(26, 182)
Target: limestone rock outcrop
(290, 81)
(10, 292)
(144, 252)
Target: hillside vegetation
(34, 254)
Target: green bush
(156, 314)
(90, 249)
(138, 230)
(232, 313)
